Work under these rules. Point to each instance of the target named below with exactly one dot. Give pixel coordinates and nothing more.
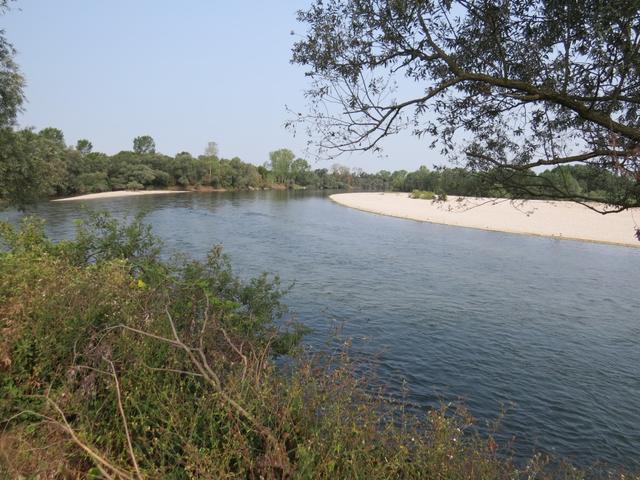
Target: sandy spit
(562, 220)
(118, 193)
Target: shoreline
(543, 218)
(117, 194)
(133, 193)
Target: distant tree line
(570, 182)
(36, 164)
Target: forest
(35, 165)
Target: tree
(211, 153)
(342, 174)
(397, 179)
(144, 144)
(211, 150)
(301, 171)
(506, 86)
(31, 166)
(281, 164)
(84, 146)
(53, 135)
(421, 179)
(11, 81)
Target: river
(548, 329)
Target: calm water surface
(549, 329)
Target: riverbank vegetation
(34, 165)
(116, 364)
(427, 195)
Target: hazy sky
(183, 72)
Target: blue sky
(183, 72)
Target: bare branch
(124, 419)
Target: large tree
(26, 168)
(11, 81)
(505, 86)
(32, 165)
(281, 161)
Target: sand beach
(556, 219)
(118, 193)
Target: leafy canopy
(84, 146)
(503, 85)
(144, 144)
(11, 81)
(281, 161)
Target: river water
(548, 329)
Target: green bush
(423, 195)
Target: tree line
(39, 164)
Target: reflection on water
(547, 327)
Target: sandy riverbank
(563, 220)
(118, 193)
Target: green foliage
(91, 182)
(84, 146)
(427, 195)
(54, 136)
(421, 179)
(301, 172)
(30, 238)
(89, 286)
(11, 80)
(143, 145)
(100, 237)
(31, 165)
(424, 195)
(35, 165)
(281, 161)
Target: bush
(423, 195)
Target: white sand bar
(118, 193)
(564, 220)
